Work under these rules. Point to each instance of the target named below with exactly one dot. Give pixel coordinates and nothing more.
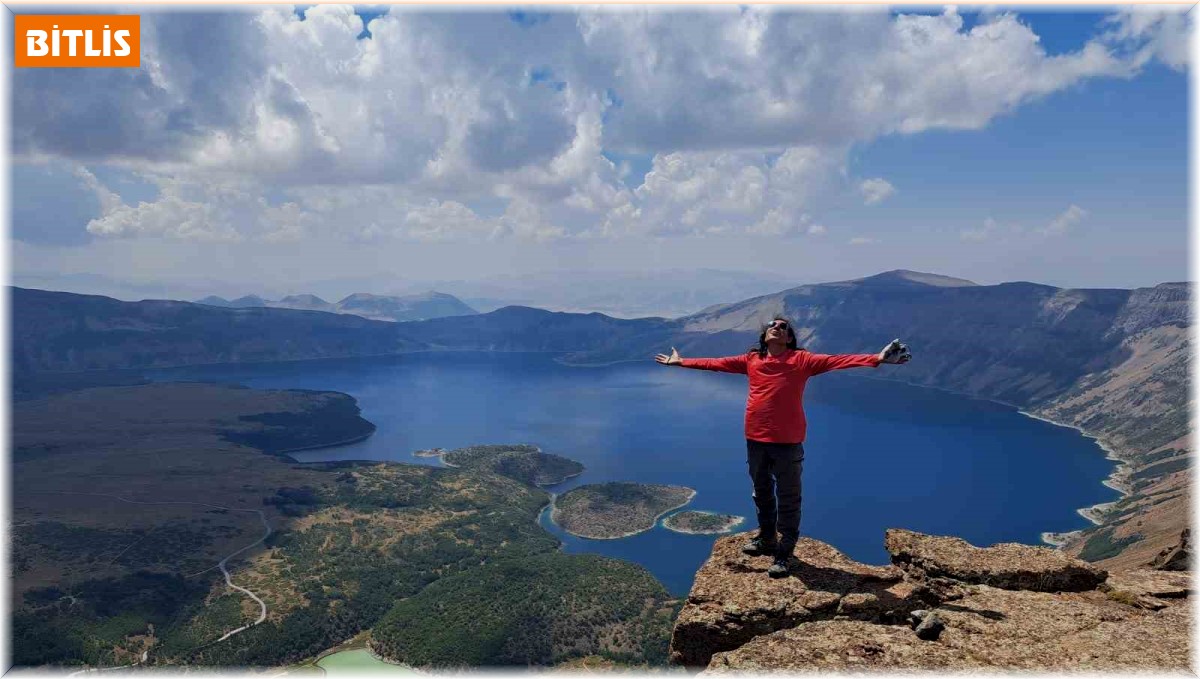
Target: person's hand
(673, 359)
(895, 353)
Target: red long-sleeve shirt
(775, 406)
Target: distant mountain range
(623, 294)
(1112, 362)
(620, 293)
(417, 307)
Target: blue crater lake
(880, 454)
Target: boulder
(1149, 582)
(733, 600)
(930, 627)
(1007, 566)
(1177, 558)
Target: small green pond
(349, 663)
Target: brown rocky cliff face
(834, 614)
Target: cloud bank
(277, 126)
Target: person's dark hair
(761, 349)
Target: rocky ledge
(997, 608)
(1007, 566)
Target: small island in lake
(605, 511)
(698, 522)
(520, 461)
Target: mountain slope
(58, 331)
(1111, 362)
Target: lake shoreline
(320, 446)
(1116, 480)
(1094, 514)
(653, 524)
(730, 525)
(441, 456)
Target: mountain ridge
(395, 308)
(1111, 362)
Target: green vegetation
(99, 620)
(1160, 455)
(522, 462)
(1101, 545)
(536, 611)
(124, 566)
(331, 421)
(1122, 596)
(135, 549)
(616, 509)
(701, 522)
(26, 385)
(384, 537)
(1161, 469)
(294, 501)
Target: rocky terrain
(942, 605)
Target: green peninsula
(699, 522)
(522, 462)
(605, 511)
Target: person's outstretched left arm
(823, 363)
(894, 352)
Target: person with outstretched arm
(775, 426)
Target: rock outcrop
(1176, 558)
(733, 600)
(998, 608)
(1146, 588)
(1007, 566)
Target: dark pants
(775, 471)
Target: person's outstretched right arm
(728, 364)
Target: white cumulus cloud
(876, 190)
(747, 113)
(1159, 32)
(1065, 221)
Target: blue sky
(812, 146)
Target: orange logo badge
(77, 40)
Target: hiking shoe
(779, 567)
(758, 546)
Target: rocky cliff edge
(943, 604)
